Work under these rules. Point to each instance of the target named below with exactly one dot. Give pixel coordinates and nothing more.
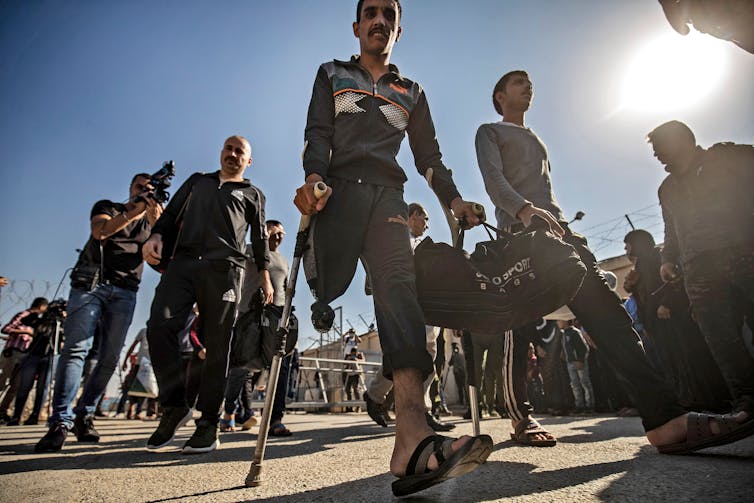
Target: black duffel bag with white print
(504, 284)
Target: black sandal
(452, 464)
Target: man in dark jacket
(213, 212)
(708, 210)
(359, 113)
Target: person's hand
(306, 199)
(669, 272)
(266, 286)
(202, 354)
(152, 249)
(465, 211)
(579, 365)
(663, 312)
(526, 213)
(154, 210)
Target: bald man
(212, 214)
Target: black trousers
(367, 222)
(601, 313)
(719, 285)
(215, 287)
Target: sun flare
(673, 72)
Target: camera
(160, 181)
(55, 310)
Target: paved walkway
(344, 457)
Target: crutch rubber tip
(254, 478)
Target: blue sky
(92, 92)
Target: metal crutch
(254, 478)
(457, 242)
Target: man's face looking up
(418, 223)
(138, 187)
(235, 156)
(276, 233)
(518, 93)
(379, 27)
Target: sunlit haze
(673, 72)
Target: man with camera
(38, 362)
(104, 283)
(20, 333)
(211, 213)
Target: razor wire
(606, 237)
(18, 295)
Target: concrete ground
(344, 457)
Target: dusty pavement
(344, 457)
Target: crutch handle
(478, 210)
(320, 190)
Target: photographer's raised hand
(154, 210)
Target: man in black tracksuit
(213, 212)
(359, 113)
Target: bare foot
(402, 454)
(675, 430)
(410, 423)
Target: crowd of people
(683, 350)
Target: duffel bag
(504, 284)
(255, 337)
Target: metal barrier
(316, 368)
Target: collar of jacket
(216, 175)
(355, 62)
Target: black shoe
(204, 438)
(376, 411)
(83, 428)
(13, 422)
(53, 440)
(31, 420)
(172, 419)
(438, 425)
(4, 418)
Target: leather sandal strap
(420, 456)
(529, 428)
(438, 445)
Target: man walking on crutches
(358, 115)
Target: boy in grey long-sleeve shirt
(519, 184)
(510, 156)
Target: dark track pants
(363, 221)
(601, 312)
(515, 358)
(215, 287)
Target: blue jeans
(32, 366)
(581, 385)
(114, 306)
